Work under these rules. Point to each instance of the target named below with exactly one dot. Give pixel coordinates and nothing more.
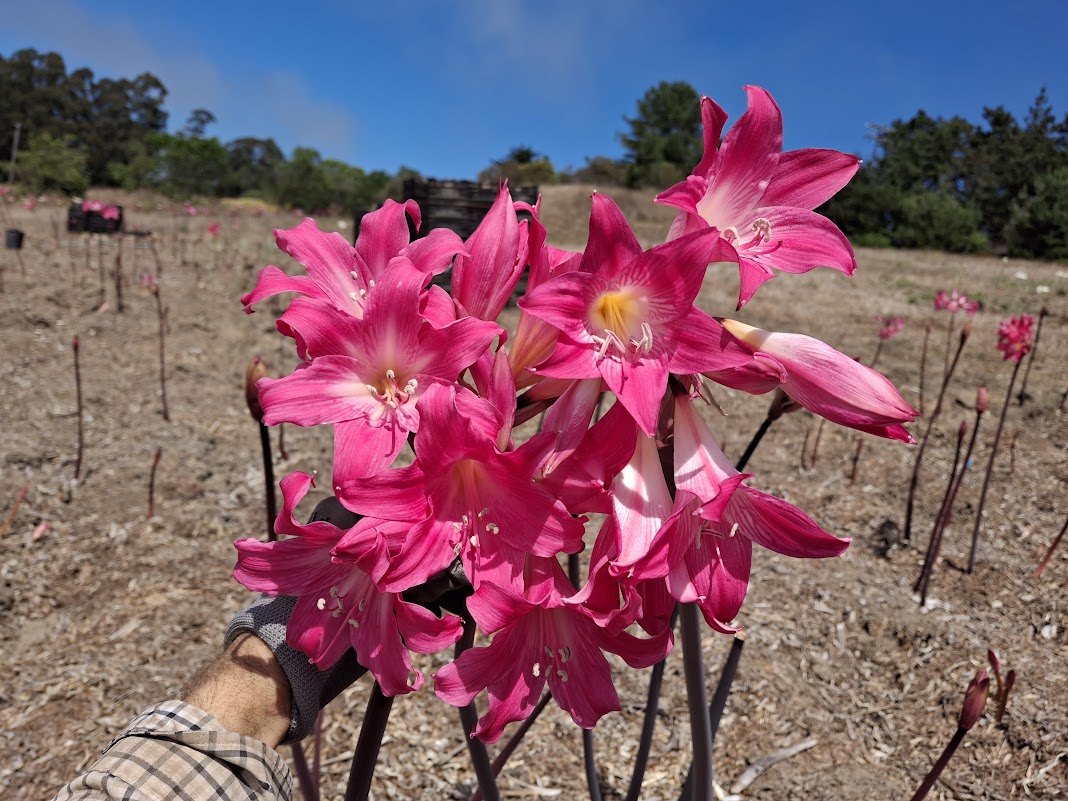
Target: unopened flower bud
(963, 429)
(981, 399)
(965, 332)
(974, 700)
(256, 370)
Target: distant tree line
(77, 130)
(1000, 186)
(950, 185)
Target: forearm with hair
(246, 689)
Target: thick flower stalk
(1015, 340)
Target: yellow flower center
(620, 315)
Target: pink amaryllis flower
(955, 301)
(891, 326)
(465, 496)
(540, 640)
(1016, 337)
(627, 315)
(366, 375)
(821, 379)
(334, 575)
(344, 274)
(705, 552)
(760, 199)
(213, 230)
(494, 256)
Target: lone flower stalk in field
(889, 327)
(388, 358)
(1015, 340)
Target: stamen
(391, 375)
(354, 623)
(363, 293)
(563, 675)
(473, 541)
(492, 528)
(734, 530)
(483, 513)
(320, 604)
(362, 604)
(373, 389)
(550, 652)
(333, 592)
(336, 613)
(565, 654)
(537, 670)
(353, 275)
(354, 296)
(371, 283)
(762, 227)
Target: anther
(320, 604)
(354, 623)
(483, 513)
(565, 654)
(391, 375)
(563, 675)
(537, 670)
(354, 296)
(353, 275)
(362, 605)
(373, 389)
(550, 652)
(473, 541)
(333, 592)
(734, 530)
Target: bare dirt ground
(103, 612)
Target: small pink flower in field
(150, 282)
(760, 199)
(5, 192)
(1016, 337)
(190, 209)
(982, 399)
(539, 641)
(891, 326)
(334, 575)
(954, 302)
(110, 212)
(628, 315)
(29, 203)
(213, 230)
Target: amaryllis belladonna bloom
(760, 199)
(339, 604)
(343, 274)
(540, 640)
(891, 326)
(821, 379)
(955, 301)
(1016, 336)
(365, 375)
(627, 315)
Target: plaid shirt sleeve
(177, 751)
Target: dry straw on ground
(105, 612)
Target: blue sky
(446, 87)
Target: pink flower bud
(981, 399)
(974, 700)
(963, 428)
(255, 371)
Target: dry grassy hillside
(103, 612)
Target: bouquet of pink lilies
(389, 358)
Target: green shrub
(1038, 226)
(938, 221)
(54, 164)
